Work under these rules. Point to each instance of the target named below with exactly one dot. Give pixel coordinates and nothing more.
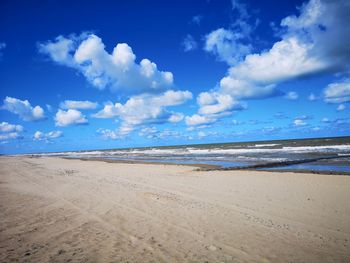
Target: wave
(191, 151)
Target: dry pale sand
(57, 210)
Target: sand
(58, 210)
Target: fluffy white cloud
(341, 107)
(196, 120)
(118, 70)
(215, 103)
(145, 109)
(38, 135)
(9, 136)
(23, 109)
(10, 131)
(69, 117)
(108, 134)
(176, 117)
(189, 43)
(76, 104)
(292, 95)
(299, 122)
(225, 45)
(338, 92)
(7, 127)
(315, 41)
(149, 132)
(212, 106)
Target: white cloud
(10, 131)
(338, 92)
(196, 120)
(76, 104)
(201, 134)
(212, 106)
(225, 45)
(23, 109)
(39, 136)
(145, 109)
(7, 127)
(341, 107)
(118, 70)
(176, 117)
(149, 132)
(299, 122)
(69, 117)
(189, 43)
(10, 135)
(292, 95)
(315, 41)
(312, 97)
(326, 120)
(215, 103)
(108, 134)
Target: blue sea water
(320, 154)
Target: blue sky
(107, 74)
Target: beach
(59, 210)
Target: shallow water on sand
(321, 154)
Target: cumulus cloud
(338, 92)
(231, 44)
(149, 132)
(212, 106)
(225, 45)
(292, 95)
(10, 131)
(153, 133)
(69, 117)
(314, 41)
(216, 103)
(108, 134)
(39, 136)
(299, 122)
(9, 136)
(145, 109)
(76, 104)
(176, 117)
(117, 70)
(7, 127)
(341, 107)
(189, 43)
(196, 120)
(23, 109)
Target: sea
(318, 155)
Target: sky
(80, 75)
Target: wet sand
(59, 210)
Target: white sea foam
(192, 151)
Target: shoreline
(209, 167)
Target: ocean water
(321, 154)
